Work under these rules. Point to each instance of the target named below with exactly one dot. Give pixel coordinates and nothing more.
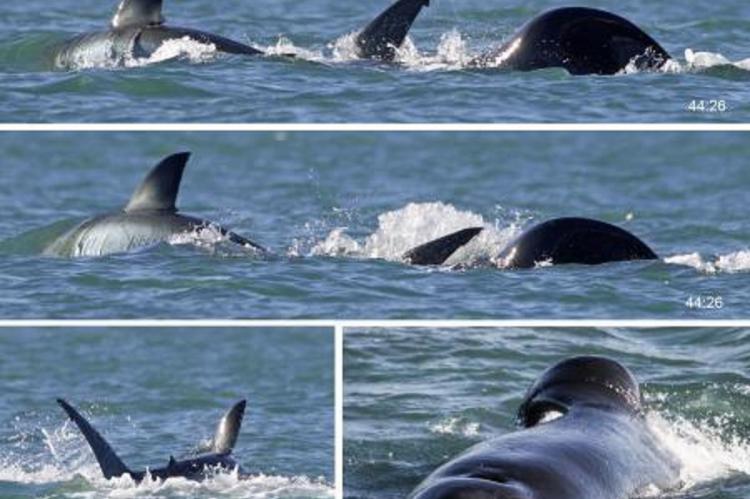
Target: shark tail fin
(158, 191)
(109, 462)
(381, 38)
(438, 251)
(138, 13)
(229, 429)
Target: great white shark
(583, 435)
(217, 456)
(149, 218)
(138, 29)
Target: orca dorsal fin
(158, 191)
(228, 429)
(438, 251)
(138, 13)
(109, 462)
(381, 38)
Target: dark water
(338, 211)
(153, 393)
(416, 398)
(327, 84)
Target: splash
(418, 223)
(731, 263)
(184, 48)
(452, 53)
(212, 238)
(708, 451)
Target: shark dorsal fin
(228, 429)
(158, 191)
(138, 13)
(109, 462)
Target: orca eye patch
(541, 412)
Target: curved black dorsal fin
(438, 251)
(138, 13)
(228, 429)
(381, 37)
(109, 462)
(158, 191)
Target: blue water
(326, 84)
(338, 211)
(155, 393)
(416, 398)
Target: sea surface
(416, 398)
(155, 393)
(188, 82)
(337, 211)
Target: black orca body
(558, 241)
(217, 458)
(149, 218)
(580, 40)
(599, 447)
(138, 29)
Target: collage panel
(167, 413)
(546, 413)
(348, 225)
(375, 61)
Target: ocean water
(155, 393)
(416, 398)
(186, 82)
(337, 211)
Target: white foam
(182, 48)
(707, 451)
(731, 263)
(455, 426)
(285, 47)
(418, 223)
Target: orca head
(587, 380)
(138, 13)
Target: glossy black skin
(581, 40)
(600, 448)
(196, 469)
(141, 42)
(574, 240)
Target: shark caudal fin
(381, 38)
(228, 429)
(138, 13)
(438, 251)
(158, 191)
(109, 462)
